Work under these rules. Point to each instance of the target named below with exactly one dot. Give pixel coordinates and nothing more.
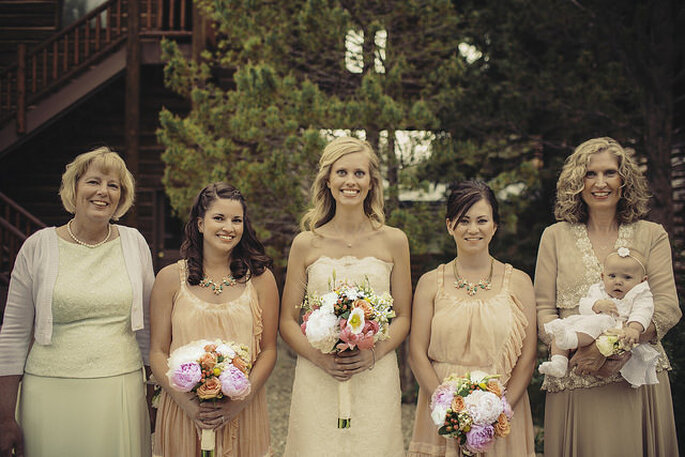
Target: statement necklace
(472, 288)
(83, 243)
(227, 281)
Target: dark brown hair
(248, 256)
(464, 195)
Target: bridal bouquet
(472, 409)
(213, 370)
(349, 316)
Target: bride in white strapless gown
(345, 236)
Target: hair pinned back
(464, 195)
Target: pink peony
(186, 376)
(478, 439)
(506, 408)
(305, 318)
(234, 383)
(364, 339)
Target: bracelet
(373, 353)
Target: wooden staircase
(50, 77)
(16, 224)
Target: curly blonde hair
(322, 203)
(570, 206)
(106, 160)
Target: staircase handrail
(15, 206)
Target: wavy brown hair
(570, 206)
(322, 203)
(247, 257)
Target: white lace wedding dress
(376, 428)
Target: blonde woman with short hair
(77, 303)
(344, 235)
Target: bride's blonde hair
(322, 203)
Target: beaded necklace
(227, 281)
(472, 288)
(83, 243)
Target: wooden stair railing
(16, 224)
(45, 67)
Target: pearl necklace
(472, 288)
(83, 243)
(227, 281)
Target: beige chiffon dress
(589, 415)
(469, 335)
(238, 320)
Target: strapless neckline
(349, 258)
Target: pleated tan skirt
(104, 417)
(611, 421)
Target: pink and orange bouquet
(349, 316)
(472, 409)
(212, 370)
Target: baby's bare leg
(584, 339)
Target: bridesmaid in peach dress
(221, 289)
(458, 326)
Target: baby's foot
(556, 367)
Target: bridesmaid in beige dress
(345, 234)
(601, 198)
(474, 313)
(221, 289)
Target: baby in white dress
(622, 303)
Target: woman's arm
(421, 320)
(545, 283)
(662, 284)
(293, 294)
(522, 289)
(15, 338)
(400, 288)
(161, 304)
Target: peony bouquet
(472, 409)
(213, 370)
(349, 316)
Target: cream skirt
(104, 417)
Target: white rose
(484, 407)
(226, 350)
(328, 301)
(438, 414)
(322, 330)
(477, 376)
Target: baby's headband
(624, 252)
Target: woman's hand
(329, 364)
(215, 414)
(11, 438)
(587, 360)
(190, 405)
(613, 365)
(355, 361)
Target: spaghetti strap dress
(468, 335)
(239, 320)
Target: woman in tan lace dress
(592, 411)
(221, 289)
(460, 326)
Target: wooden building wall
(26, 21)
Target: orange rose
(208, 360)
(494, 387)
(210, 347)
(502, 426)
(458, 403)
(240, 364)
(363, 304)
(210, 389)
